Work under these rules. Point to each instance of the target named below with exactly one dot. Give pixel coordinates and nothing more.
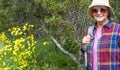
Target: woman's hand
(86, 39)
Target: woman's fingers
(86, 39)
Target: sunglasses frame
(102, 10)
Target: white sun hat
(100, 3)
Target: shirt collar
(107, 25)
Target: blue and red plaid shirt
(108, 48)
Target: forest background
(44, 34)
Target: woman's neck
(100, 24)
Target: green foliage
(5, 15)
(84, 4)
(37, 1)
(51, 58)
(54, 6)
(116, 8)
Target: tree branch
(65, 51)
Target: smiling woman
(103, 50)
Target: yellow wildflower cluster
(3, 38)
(16, 52)
(5, 68)
(20, 31)
(18, 45)
(27, 27)
(16, 31)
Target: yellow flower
(5, 53)
(25, 26)
(4, 63)
(6, 68)
(0, 58)
(14, 52)
(31, 25)
(3, 36)
(44, 43)
(19, 49)
(15, 59)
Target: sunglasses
(103, 10)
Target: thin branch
(64, 51)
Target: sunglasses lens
(94, 11)
(102, 10)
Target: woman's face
(100, 13)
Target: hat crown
(100, 2)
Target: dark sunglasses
(103, 10)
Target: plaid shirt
(108, 48)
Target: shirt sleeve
(119, 36)
(119, 42)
